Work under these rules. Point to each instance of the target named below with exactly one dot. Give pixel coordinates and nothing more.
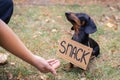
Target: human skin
(11, 42)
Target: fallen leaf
(43, 77)
(59, 17)
(112, 8)
(110, 25)
(12, 63)
(3, 58)
(19, 76)
(54, 30)
(113, 51)
(111, 22)
(115, 65)
(9, 75)
(40, 33)
(47, 20)
(35, 36)
(83, 79)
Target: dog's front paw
(68, 67)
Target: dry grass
(41, 27)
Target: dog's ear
(90, 26)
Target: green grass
(35, 26)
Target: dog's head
(79, 20)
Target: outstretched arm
(13, 44)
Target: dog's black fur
(85, 27)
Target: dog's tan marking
(77, 24)
(73, 16)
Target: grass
(41, 28)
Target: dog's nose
(67, 13)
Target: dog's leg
(96, 51)
(95, 46)
(68, 67)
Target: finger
(51, 60)
(56, 64)
(53, 71)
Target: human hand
(46, 66)
(54, 63)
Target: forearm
(13, 44)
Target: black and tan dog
(83, 25)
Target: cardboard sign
(74, 52)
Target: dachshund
(83, 25)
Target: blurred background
(41, 24)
